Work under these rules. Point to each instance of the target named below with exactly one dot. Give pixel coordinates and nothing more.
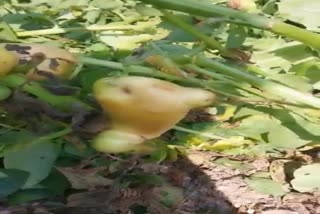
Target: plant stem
(299, 34)
(276, 89)
(53, 135)
(207, 9)
(270, 87)
(136, 69)
(34, 88)
(229, 81)
(104, 63)
(209, 41)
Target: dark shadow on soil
(199, 193)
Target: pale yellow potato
(46, 59)
(7, 61)
(146, 106)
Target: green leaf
(237, 36)
(121, 41)
(265, 43)
(289, 52)
(255, 125)
(80, 150)
(11, 180)
(270, 62)
(15, 137)
(63, 4)
(310, 69)
(307, 178)
(266, 186)
(270, 7)
(147, 11)
(87, 79)
(5, 92)
(282, 137)
(110, 4)
(6, 33)
(28, 195)
(305, 12)
(56, 182)
(159, 155)
(169, 195)
(297, 82)
(36, 158)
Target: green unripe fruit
(5, 92)
(113, 141)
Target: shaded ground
(195, 184)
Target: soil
(196, 183)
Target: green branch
(286, 93)
(275, 88)
(34, 88)
(53, 135)
(210, 42)
(207, 9)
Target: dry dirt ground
(196, 184)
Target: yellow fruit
(57, 67)
(46, 60)
(147, 106)
(7, 61)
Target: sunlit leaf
(6, 33)
(298, 82)
(266, 186)
(283, 137)
(304, 12)
(307, 178)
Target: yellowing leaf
(226, 144)
(227, 114)
(306, 12)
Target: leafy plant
(78, 77)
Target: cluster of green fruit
(140, 108)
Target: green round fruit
(5, 92)
(114, 141)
